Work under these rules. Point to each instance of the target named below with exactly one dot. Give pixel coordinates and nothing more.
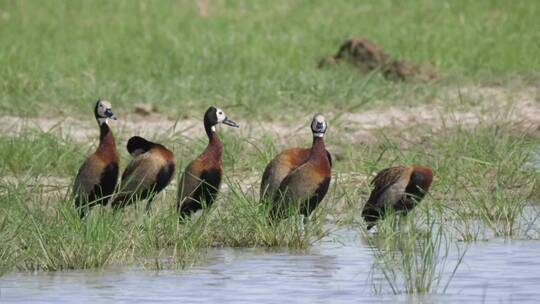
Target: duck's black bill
(109, 113)
(231, 123)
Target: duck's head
(103, 111)
(318, 125)
(422, 177)
(215, 116)
(138, 145)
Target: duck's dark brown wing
(383, 180)
(329, 157)
(279, 167)
(189, 190)
(305, 185)
(94, 184)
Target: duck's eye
(220, 113)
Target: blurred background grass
(59, 56)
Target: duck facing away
(149, 172)
(299, 175)
(98, 175)
(202, 177)
(398, 188)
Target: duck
(299, 174)
(98, 175)
(201, 178)
(149, 172)
(399, 188)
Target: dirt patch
(145, 109)
(202, 7)
(487, 104)
(366, 57)
(82, 131)
(405, 123)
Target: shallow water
(330, 272)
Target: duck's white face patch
(220, 115)
(104, 112)
(318, 125)
(103, 106)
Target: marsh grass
(35, 153)
(40, 237)
(257, 61)
(58, 240)
(412, 256)
(481, 190)
(494, 183)
(248, 222)
(481, 175)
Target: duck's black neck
(214, 148)
(209, 130)
(213, 138)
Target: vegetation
(475, 183)
(257, 60)
(257, 57)
(414, 260)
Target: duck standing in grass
(202, 177)
(299, 175)
(98, 175)
(150, 171)
(397, 188)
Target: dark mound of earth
(366, 57)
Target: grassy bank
(482, 188)
(257, 60)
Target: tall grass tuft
(411, 256)
(247, 222)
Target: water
(330, 272)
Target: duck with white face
(98, 175)
(318, 126)
(299, 175)
(215, 116)
(103, 112)
(201, 180)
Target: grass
(256, 57)
(34, 152)
(482, 181)
(412, 257)
(257, 61)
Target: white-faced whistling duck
(202, 177)
(98, 175)
(299, 175)
(150, 171)
(399, 188)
